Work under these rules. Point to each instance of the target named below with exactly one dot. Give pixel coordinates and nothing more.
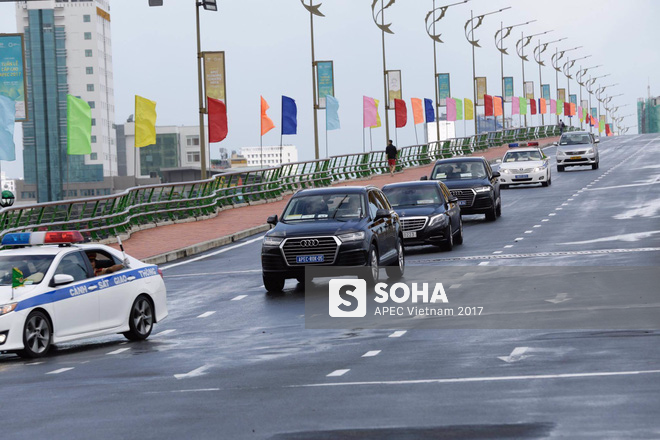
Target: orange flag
(497, 106)
(543, 108)
(266, 122)
(418, 111)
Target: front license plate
(522, 176)
(309, 259)
(408, 234)
(462, 202)
(576, 157)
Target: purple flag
(451, 109)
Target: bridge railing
(151, 205)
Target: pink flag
(369, 112)
(553, 106)
(451, 109)
(580, 113)
(515, 105)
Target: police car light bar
(516, 145)
(532, 144)
(36, 238)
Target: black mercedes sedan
(428, 212)
(341, 226)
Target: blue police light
(514, 145)
(16, 239)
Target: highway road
(232, 362)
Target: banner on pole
(13, 82)
(508, 88)
(325, 82)
(594, 112)
(573, 99)
(561, 95)
(529, 89)
(481, 89)
(214, 75)
(546, 92)
(444, 88)
(393, 87)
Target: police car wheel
(37, 335)
(141, 319)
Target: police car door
(116, 297)
(76, 305)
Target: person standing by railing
(391, 153)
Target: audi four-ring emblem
(309, 243)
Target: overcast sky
(267, 45)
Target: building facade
(68, 51)
(648, 115)
(269, 156)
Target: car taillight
(160, 272)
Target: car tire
(498, 210)
(372, 264)
(273, 283)
(396, 271)
(37, 335)
(594, 166)
(141, 319)
(458, 239)
(491, 215)
(544, 183)
(549, 179)
(448, 244)
(560, 168)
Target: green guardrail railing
(150, 205)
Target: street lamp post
(520, 49)
(567, 71)
(499, 43)
(430, 29)
(383, 28)
(558, 55)
(469, 35)
(589, 85)
(599, 95)
(314, 10)
(579, 77)
(538, 51)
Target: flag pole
(135, 165)
(416, 138)
(326, 139)
(371, 141)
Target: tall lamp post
(589, 86)
(314, 10)
(558, 55)
(383, 28)
(520, 49)
(430, 29)
(500, 35)
(469, 35)
(209, 5)
(599, 97)
(579, 77)
(567, 71)
(538, 51)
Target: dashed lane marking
(194, 373)
(455, 286)
(486, 263)
(508, 246)
(338, 373)
(371, 353)
(538, 255)
(239, 297)
(121, 350)
(206, 314)
(61, 370)
(164, 332)
(398, 334)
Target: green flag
(78, 126)
(523, 106)
(459, 109)
(560, 107)
(17, 279)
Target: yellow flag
(469, 110)
(145, 122)
(377, 115)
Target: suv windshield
(459, 171)
(574, 139)
(339, 206)
(33, 268)
(413, 196)
(521, 156)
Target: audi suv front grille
(308, 246)
(464, 195)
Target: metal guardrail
(138, 207)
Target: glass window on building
(193, 156)
(93, 139)
(94, 156)
(92, 104)
(192, 141)
(88, 35)
(93, 122)
(90, 87)
(88, 53)
(87, 18)
(89, 70)
(164, 154)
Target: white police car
(525, 165)
(53, 290)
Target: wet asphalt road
(232, 362)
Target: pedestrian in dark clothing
(562, 127)
(391, 152)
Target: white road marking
(558, 209)
(371, 353)
(483, 379)
(570, 200)
(455, 286)
(545, 220)
(576, 194)
(164, 332)
(121, 350)
(528, 232)
(239, 297)
(223, 250)
(552, 214)
(468, 274)
(519, 239)
(398, 334)
(338, 373)
(61, 370)
(537, 226)
(637, 236)
(33, 363)
(194, 373)
(515, 356)
(484, 263)
(564, 204)
(206, 314)
(560, 298)
(508, 246)
(497, 252)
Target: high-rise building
(648, 115)
(68, 51)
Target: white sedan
(54, 290)
(525, 165)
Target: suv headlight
(483, 189)
(272, 241)
(6, 308)
(351, 236)
(438, 219)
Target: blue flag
(7, 119)
(428, 109)
(289, 116)
(331, 113)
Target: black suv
(428, 212)
(343, 226)
(473, 182)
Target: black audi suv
(473, 182)
(428, 212)
(342, 226)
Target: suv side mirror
(61, 279)
(272, 220)
(596, 140)
(424, 178)
(382, 213)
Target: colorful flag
(378, 124)
(488, 105)
(7, 122)
(543, 107)
(498, 109)
(145, 122)
(553, 106)
(428, 107)
(571, 109)
(567, 109)
(451, 109)
(523, 106)
(400, 113)
(459, 109)
(515, 106)
(289, 116)
(78, 126)
(580, 114)
(17, 279)
(560, 107)
(369, 112)
(217, 111)
(469, 110)
(608, 130)
(601, 126)
(266, 122)
(418, 111)
(331, 113)
(532, 104)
